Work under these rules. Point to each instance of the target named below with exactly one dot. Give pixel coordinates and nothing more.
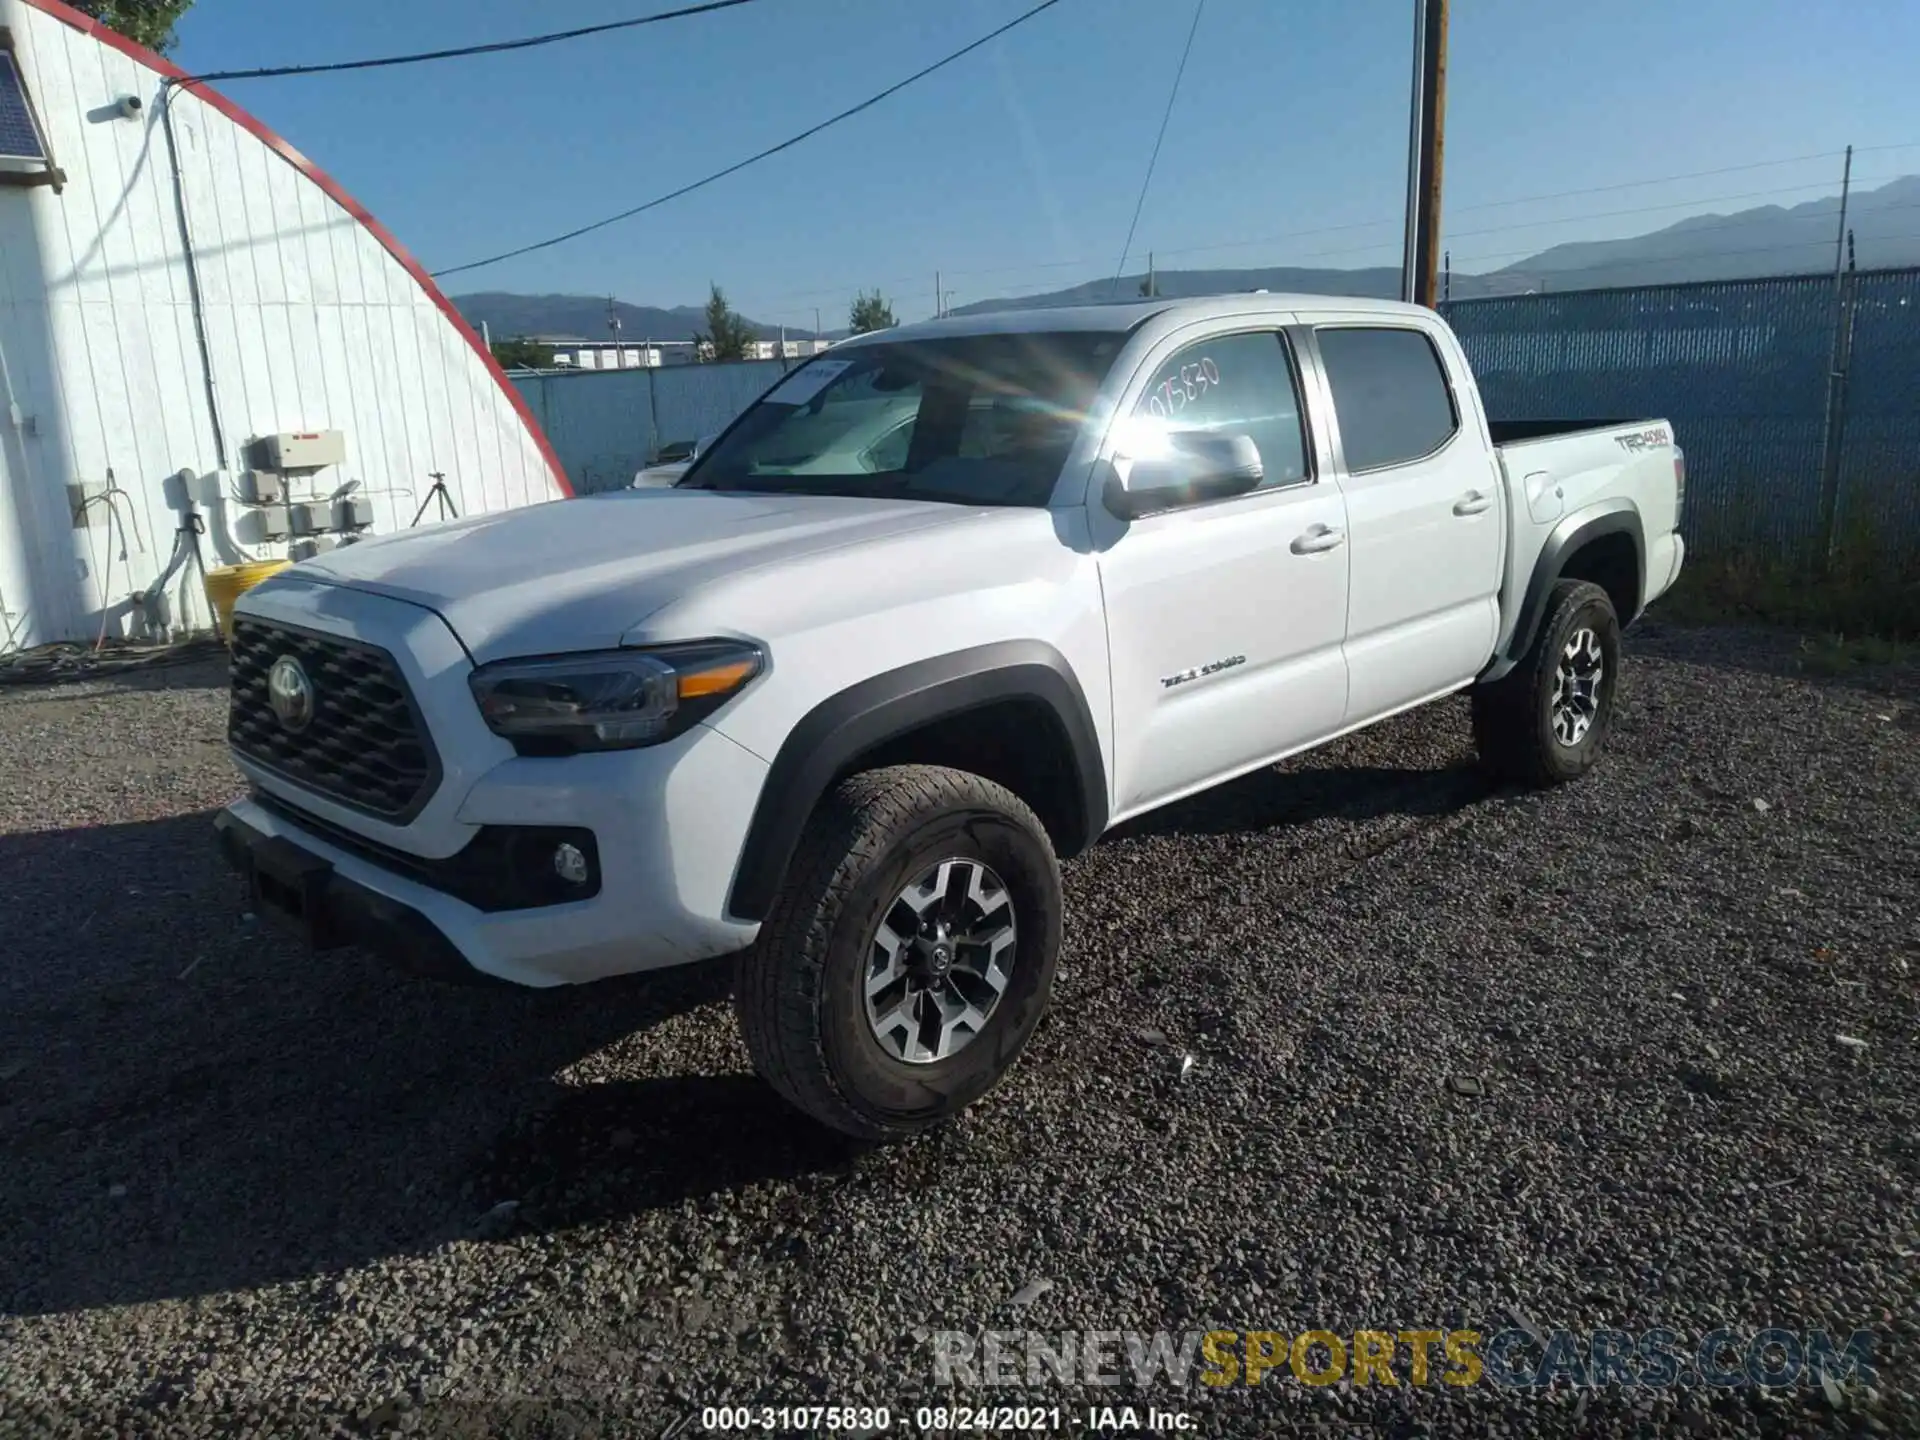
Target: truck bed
(1519, 432)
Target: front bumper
(334, 910)
(667, 823)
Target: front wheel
(1545, 721)
(909, 955)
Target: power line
(1537, 250)
(494, 48)
(1666, 179)
(740, 165)
(1516, 225)
(1566, 195)
(1047, 265)
(1824, 244)
(1730, 223)
(1154, 159)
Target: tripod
(438, 491)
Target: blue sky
(1017, 168)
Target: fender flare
(858, 719)
(1610, 517)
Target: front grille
(365, 745)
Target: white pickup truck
(945, 605)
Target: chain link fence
(1798, 406)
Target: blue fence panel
(698, 400)
(1739, 367)
(1880, 451)
(601, 425)
(607, 425)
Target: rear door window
(1390, 395)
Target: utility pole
(1153, 284)
(1839, 357)
(1840, 240)
(1426, 146)
(816, 323)
(939, 297)
(613, 324)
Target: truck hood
(579, 574)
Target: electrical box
(262, 487)
(270, 524)
(87, 503)
(312, 451)
(352, 513)
(318, 545)
(313, 517)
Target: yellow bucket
(227, 583)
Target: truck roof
(1127, 315)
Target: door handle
(1472, 503)
(1319, 539)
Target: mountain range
(585, 317)
(1766, 240)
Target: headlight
(613, 700)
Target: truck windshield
(972, 420)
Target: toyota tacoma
(941, 608)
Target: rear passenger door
(1424, 513)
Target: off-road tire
(799, 989)
(1513, 716)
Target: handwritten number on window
(1174, 393)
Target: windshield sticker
(808, 381)
(1181, 388)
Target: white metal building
(178, 287)
(606, 355)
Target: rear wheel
(1547, 719)
(908, 956)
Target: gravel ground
(1462, 1058)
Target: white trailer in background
(178, 287)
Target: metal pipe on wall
(196, 296)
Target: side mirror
(1198, 465)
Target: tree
(728, 335)
(147, 22)
(870, 312)
(521, 354)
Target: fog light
(570, 864)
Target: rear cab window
(1391, 396)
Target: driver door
(1226, 620)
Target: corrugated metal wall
(1740, 368)
(606, 426)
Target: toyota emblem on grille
(290, 693)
